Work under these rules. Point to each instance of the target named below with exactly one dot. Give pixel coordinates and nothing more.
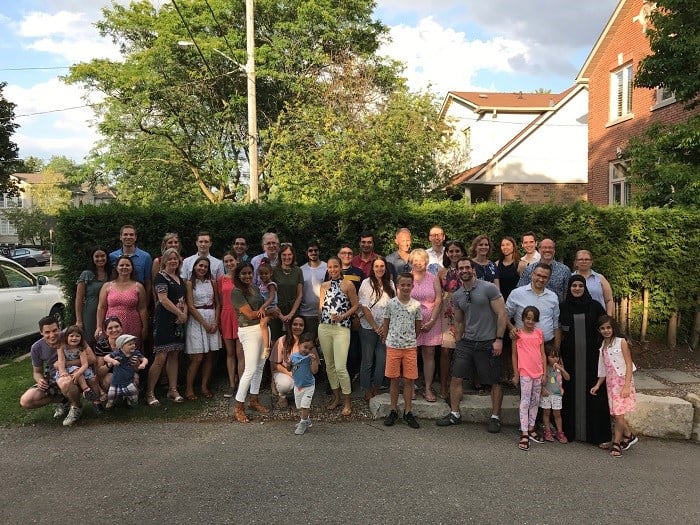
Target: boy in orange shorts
(402, 321)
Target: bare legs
(428, 354)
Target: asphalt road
(355, 472)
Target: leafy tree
(185, 110)
(31, 165)
(32, 224)
(357, 142)
(664, 165)
(674, 37)
(8, 149)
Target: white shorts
(303, 396)
(552, 401)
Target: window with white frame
(6, 227)
(620, 190)
(7, 201)
(621, 92)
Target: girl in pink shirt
(529, 365)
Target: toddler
(550, 401)
(304, 364)
(125, 361)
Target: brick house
(618, 110)
(528, 147)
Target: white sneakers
(72, 417)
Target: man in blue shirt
(141, 260)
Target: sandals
(605, 445)
(429, 395)
(207, 394)
(524, 442)
(175, 397)
(191, 396)
(616, 450)
(534, 436)
(151, 400)
(628, 441)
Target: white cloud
(446, 59)
(75, 50)
(39, 24)
(74, 147)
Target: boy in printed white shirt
(402, 321)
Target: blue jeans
(373, 359)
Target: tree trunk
(695, 335)
(645, 315)
(672, 330)
(623, 315)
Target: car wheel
(58, 312)
(30, 262)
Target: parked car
(30, 256)
(24, 299)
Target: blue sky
(493, 45)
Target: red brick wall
(624, 37)
(539, 193)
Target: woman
(450, 281)
(290, 280)
(280, 360)
(508, 278)
(106, 344)
(427, 291)
(374, 294)
(170, 240)
(337, 304)
(87, 292)
(229, 325)
(169, 320)
(246, 299)
(202, 340)
(125, 298)
(585, 417)
(486, 270)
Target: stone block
(662, 416)
(694, 399)
(674, 376)
(643, 381)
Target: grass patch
(16, 378)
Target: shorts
(88, 374)
(552, 401)
(304, 395)
(400, 360)
(470, 356)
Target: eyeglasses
(240, 243)
(345, 253)
(312, 250)
(271, 243)
(469, 296)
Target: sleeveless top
(451, 281)
(336, 301)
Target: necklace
(286, 271)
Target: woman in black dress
(585, 417)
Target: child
(304, 364)
(550, 402)
(402, 321)
(73, 347)
(125, 361)
(268, 289)
(529, 364)
(615, 368)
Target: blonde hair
(419, 252)
(166, 255)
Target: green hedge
(634, 248)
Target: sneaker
(60, 410)
(448, 420)
(549, 437)
(72, 417)
(628, 441)
(301, 427)
(535, 437)
(494, 425)
(229, 392)
(410, 420)
(391, 418)
(561, 438)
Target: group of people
(456, 310)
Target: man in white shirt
(532, 256)
(271, 248)
(436, 252)
(216, 266)
(314, 272)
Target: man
(49, 387)
(536, 294)
(366, 257)
(532, 256)
(480, 322)
(436, 252)
(598, 286)
(350, 273)
(559, 281)
(271, 247)
(240, 248)
(314, 272)
(398, 261)
(141, 260)
(204, 244)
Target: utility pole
(253, 192)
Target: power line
(32, 68)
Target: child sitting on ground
(124, 361)
(552, 392)
(72, 348)
(304, 364)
